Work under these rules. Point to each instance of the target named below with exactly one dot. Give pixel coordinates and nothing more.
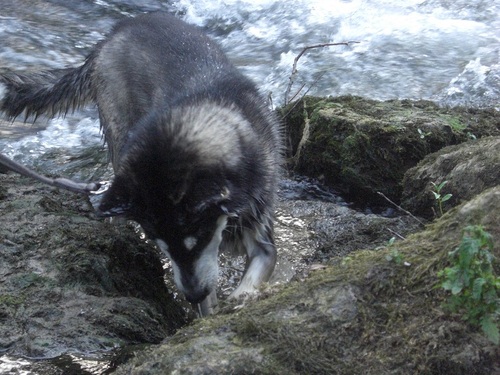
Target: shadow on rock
(69, 282)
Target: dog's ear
(115, 202)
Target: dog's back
(195, 150)
(171, 62)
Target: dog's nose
(196, 295)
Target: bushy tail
(49, 92)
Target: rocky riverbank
(345, 298)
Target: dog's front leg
(261, 252)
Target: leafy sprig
(471, 280)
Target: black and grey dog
(194, 148)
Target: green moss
(362, 146)
(456, 124)
(26, 280)
(11, 300)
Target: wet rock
(361, 146)
(367, 314)
(69, 282)
(327, 231)
(469, 168)
(72, 283)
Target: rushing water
(444, 50)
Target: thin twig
(402, 209)
(302, 97)
(309, 88)
(396, 233)
(300, 89)
(296, 60)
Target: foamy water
(439, 50)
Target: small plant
(423, 134)
(456, 125)
(395, 255)
(471, 136)
(473, 285)
(440, 199)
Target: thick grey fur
(195, 150)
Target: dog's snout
(196, 295)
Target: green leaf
(447, 285)
(477, 288)
(485, 266)
(436, 195)
(441, 185)
(467, 250)
(446, 197)
(486, 239)
(491, 297)
(490, 328)
(450, 273)
(456, 287)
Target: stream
(446, 51)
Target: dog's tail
(50, 92)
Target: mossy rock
(368, 314)
(361, 146)
(468, 168)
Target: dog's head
(186, 218)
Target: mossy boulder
(367, 314)
(361, 146)
(468, 168)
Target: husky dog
(194, 148)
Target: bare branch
(402, 209)
(396, 234)
(296, 60)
